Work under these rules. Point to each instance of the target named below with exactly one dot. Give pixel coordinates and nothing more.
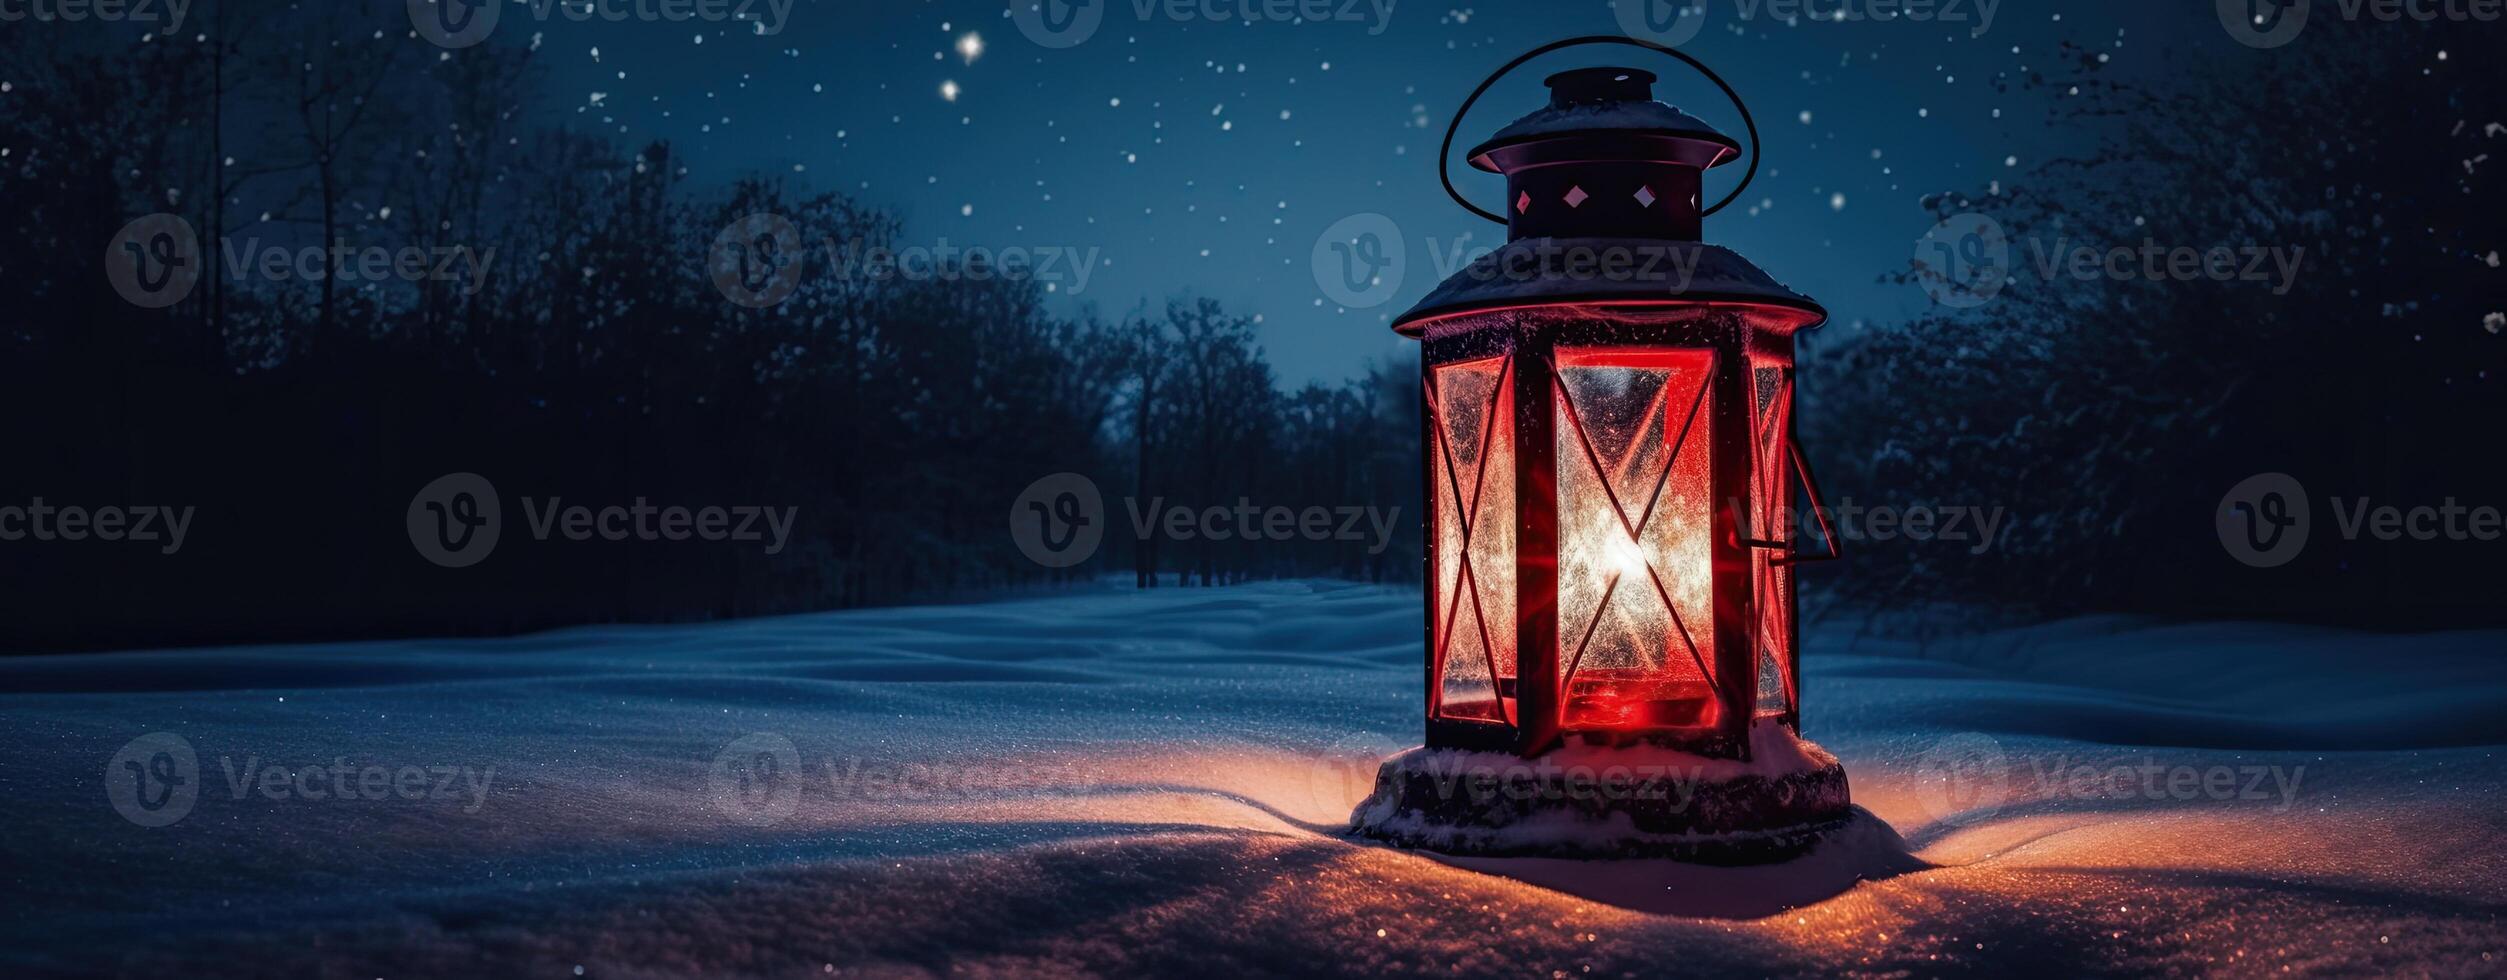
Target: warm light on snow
(1170, 771)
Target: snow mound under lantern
(1586, 800)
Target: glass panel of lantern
(1471, 408)
(1771, 577)
(1635, 513)
(1615, 447)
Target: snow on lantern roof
(1629, 271)
(1617, 101)
(1605, 205)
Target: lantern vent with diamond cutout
(1612, 472)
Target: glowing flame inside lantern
(1636, 567)
(1626, 560)
(1609, 456)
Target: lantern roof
(1604, 206)
(1619, 272)
(1609, 101)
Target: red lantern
(1611, 463)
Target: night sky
(1205, 158)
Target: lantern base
(1583, 801)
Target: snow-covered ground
(1154, 783)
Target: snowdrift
(1159, 783)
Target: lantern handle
(1819, 508)
(1444, 154)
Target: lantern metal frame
(1603, 128)
(1756, 461)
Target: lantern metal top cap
(1607, 102)
(1605, 206)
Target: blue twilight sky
(1204, 157)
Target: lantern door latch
(1835, 547)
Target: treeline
(596, 362)
(2110, 417)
